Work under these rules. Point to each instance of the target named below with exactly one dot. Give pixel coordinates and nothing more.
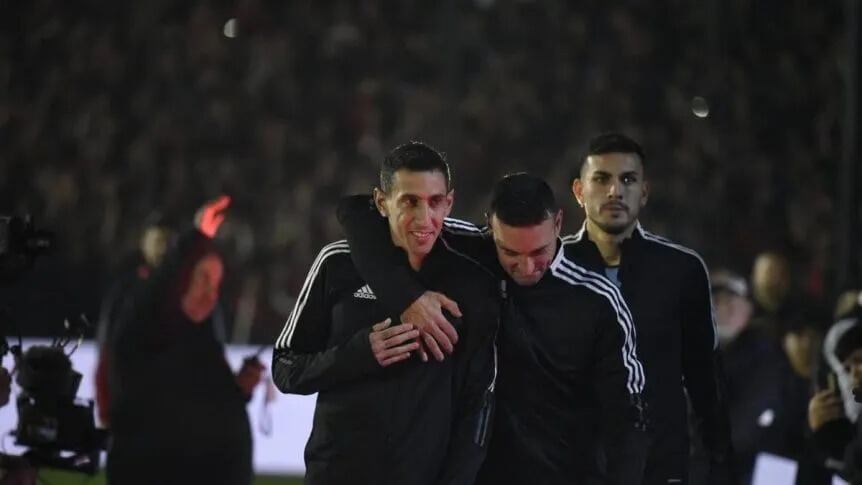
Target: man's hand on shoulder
(426, 314)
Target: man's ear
(578, 190)
(490, 219)
(380, 202)
(645, 194)
(558, 222)
(450, 202)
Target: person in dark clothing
(178, 412)
(833, 412)
(382, 415)
(570, 383)
(665, 285)
(767, 412)
(157, 237)
(154, 243)
(771, 285)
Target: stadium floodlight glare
(230, 28)
(700, 107)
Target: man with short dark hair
(666, 285)
(569, 379)
(383, 416)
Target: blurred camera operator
(178, 413)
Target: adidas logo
(365, 292)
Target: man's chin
(423, 249)
(615, 228)
(526, 281)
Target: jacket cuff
(357, 352)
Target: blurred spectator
(177, 411)
(833, 412)
(767, 414)
(154, 243)
(771, 284)
(848, 305)
(802, 338)
(158, 234)
(770, 277)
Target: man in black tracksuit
(667, 289)
(569, 379)
(383, 416)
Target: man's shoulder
(463, 275)
(671, 251)
(582, 280)
(464, 267)
(335, 251)
(334, 256)
(461, 227)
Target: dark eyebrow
(504, 248)
(417, 197)
(541, 249)
(632, 172)
(407, 196)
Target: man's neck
(415, 261)
(608, 244)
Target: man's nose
(422, 213)
(615, 191)
(529, 265)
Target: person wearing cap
(764, 413)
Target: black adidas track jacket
(667, 288)
(409, 423)
(569, 405)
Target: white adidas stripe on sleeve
(338, 247)
(577, 275)
(666, 242)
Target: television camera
(57, 430)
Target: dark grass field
(48, 477)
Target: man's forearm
(381, 263)
(306, 373)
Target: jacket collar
(588, 250)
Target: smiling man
(570, 381)
(382, 415)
